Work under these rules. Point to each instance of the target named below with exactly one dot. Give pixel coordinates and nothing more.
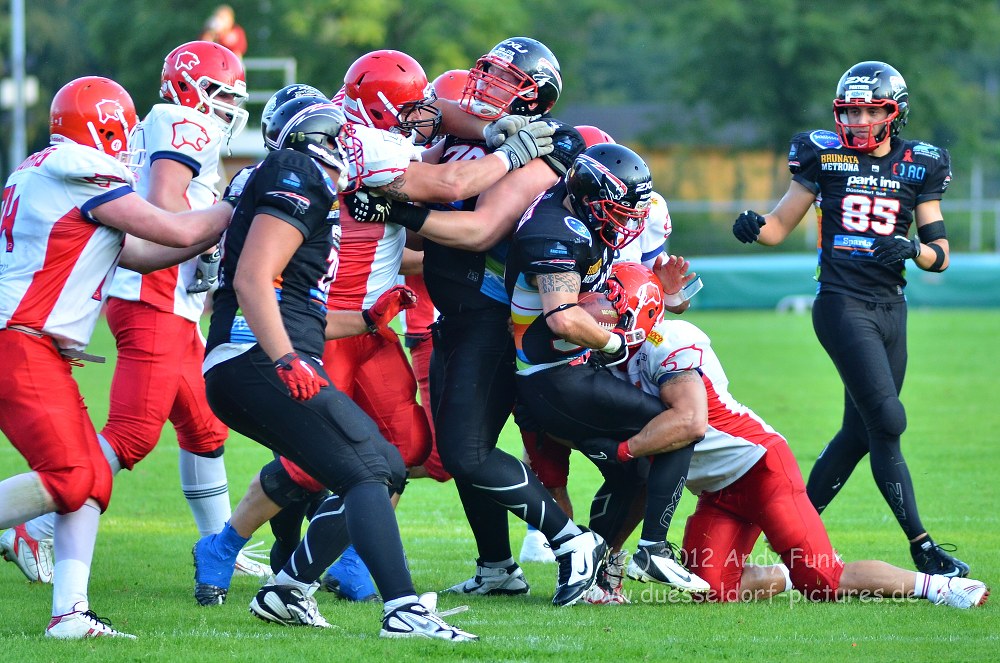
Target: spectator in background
(222, 28)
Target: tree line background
(726, 77)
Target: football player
(264, 377)
(870, 187)
(67, 211)
(154, 317)
(472, 384)
(747, 482)
(565, 245)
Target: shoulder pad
(567, 144)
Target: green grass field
(142, 575)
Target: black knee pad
(892, 416)
(279, 486)
(397, 472)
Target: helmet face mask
(869, 85)
(209, 78)
(519, 76)
(610, 189)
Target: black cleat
(933, 559)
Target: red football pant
(158, 377)
(549, 459)
(45, 418)
(771, 497)
(420, 358)
(375, 374)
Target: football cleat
(80, 624)
(212, 573)
(963, 593)
(420, 620)
(349, 578)
(506, 581)
(608, 588)
(657, 563)
(252, 562)
(33, 556)
(536, 548)
(579, 558)
(933, 559)
(288, 605)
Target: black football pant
(867, 343)
(585, 401)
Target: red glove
(387, 307)
(302, 380)
(616, 295)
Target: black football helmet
(870, 84)
(275, 122)
(519, 76)
(610, 188)
(314, 131)
(286, 93)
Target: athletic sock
(206, 490)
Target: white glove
(534, 140)
(497, 131)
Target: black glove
(206, 274)
(612, 358)
(890, 250)
(367, 207)
(747, 226)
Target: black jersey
(475, 280)
(861, 197)
(549, 240)
(292, 187)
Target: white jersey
(195, 140)
(649, 245)
(736, 437)
(56, 260)
(371, 253)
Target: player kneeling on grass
(748, 482)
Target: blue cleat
(349, 578)
(212, 571)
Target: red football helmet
(593, 135)
(209, 78)
(644, 305)
(96, 112)
(450, 84)
(389, 90)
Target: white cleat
(33, 556)
(657, 563)
(288, 605)
(421, 620)
(253, 562)
(963, 593)
(493, 582)
(580, 558)
(81, 624)
(536, 548)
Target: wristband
(624, 455)
(409, 216)
(614, 344)
(505, 159)
(372, 327)
(684, 294)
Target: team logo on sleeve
(676, 361)
(576, 225)
(190, 133)
(824, 139)
(300, 204)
